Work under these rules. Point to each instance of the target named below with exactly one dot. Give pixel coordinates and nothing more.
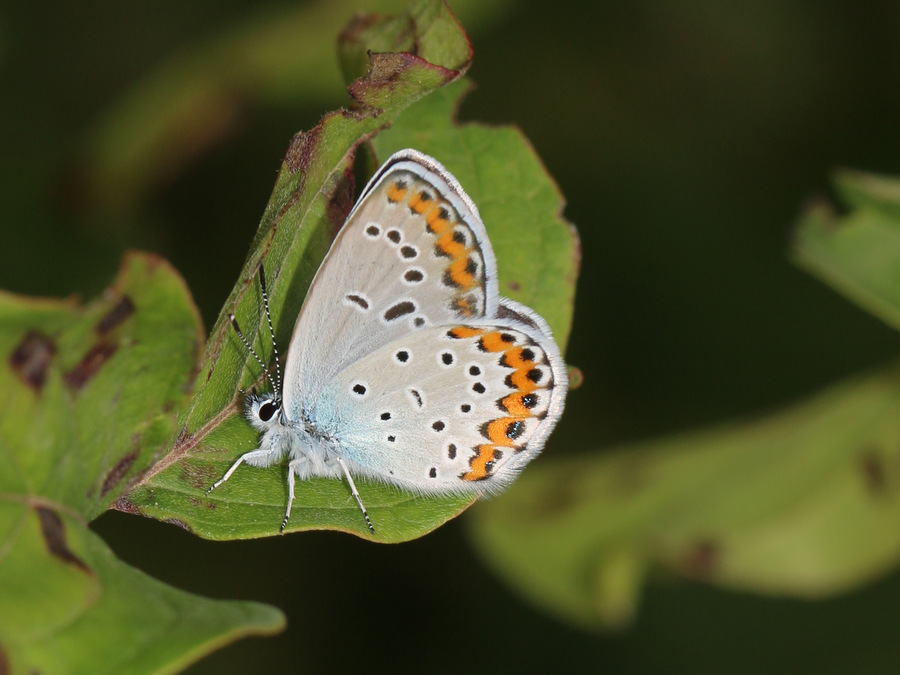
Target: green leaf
(538, 252)
(89, 395)
(803, 503)
(70, 606)
(311, 199)
(858, 254)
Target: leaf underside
(802, 503)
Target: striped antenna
(265, 297)
(240, 334)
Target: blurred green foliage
(686, 139)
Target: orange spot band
(494, 342)
(396, 193)
(497, 431)
(514, 359)
(450, 246)
(460, 274)
(515, 406)
(419, 204)
(465, 332)
(522, 382)
(478, 469)
(436, 223)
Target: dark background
(687, 138)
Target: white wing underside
(422, 421)
(411, 263)
(332, 330)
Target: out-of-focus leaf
(803, 503)
(858, 254)
(282, 55)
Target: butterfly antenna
(240, 334)
(265, 297)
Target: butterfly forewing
(412, 254)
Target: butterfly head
(264, 412)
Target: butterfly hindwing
(454, 408)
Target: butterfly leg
(254, 458)
(355, 493)
(293, 465)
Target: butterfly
(406, 366)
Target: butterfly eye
(267, 410)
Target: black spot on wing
(358, 300)
(400, 309)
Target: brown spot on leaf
(198, 477)
(387, 72)
(384, 71)
(702, 559)
(54, 531)
(184, 438)
(202, 503)
(118, 314)
(119, 471)
(514, 286)
(180, 523)
(873, 471)
(125, 505)
(5, 668)
(31, 358)
(300, 152)
(358, 25)
(342, 200)
(97, 355)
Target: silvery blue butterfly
(406, 366)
